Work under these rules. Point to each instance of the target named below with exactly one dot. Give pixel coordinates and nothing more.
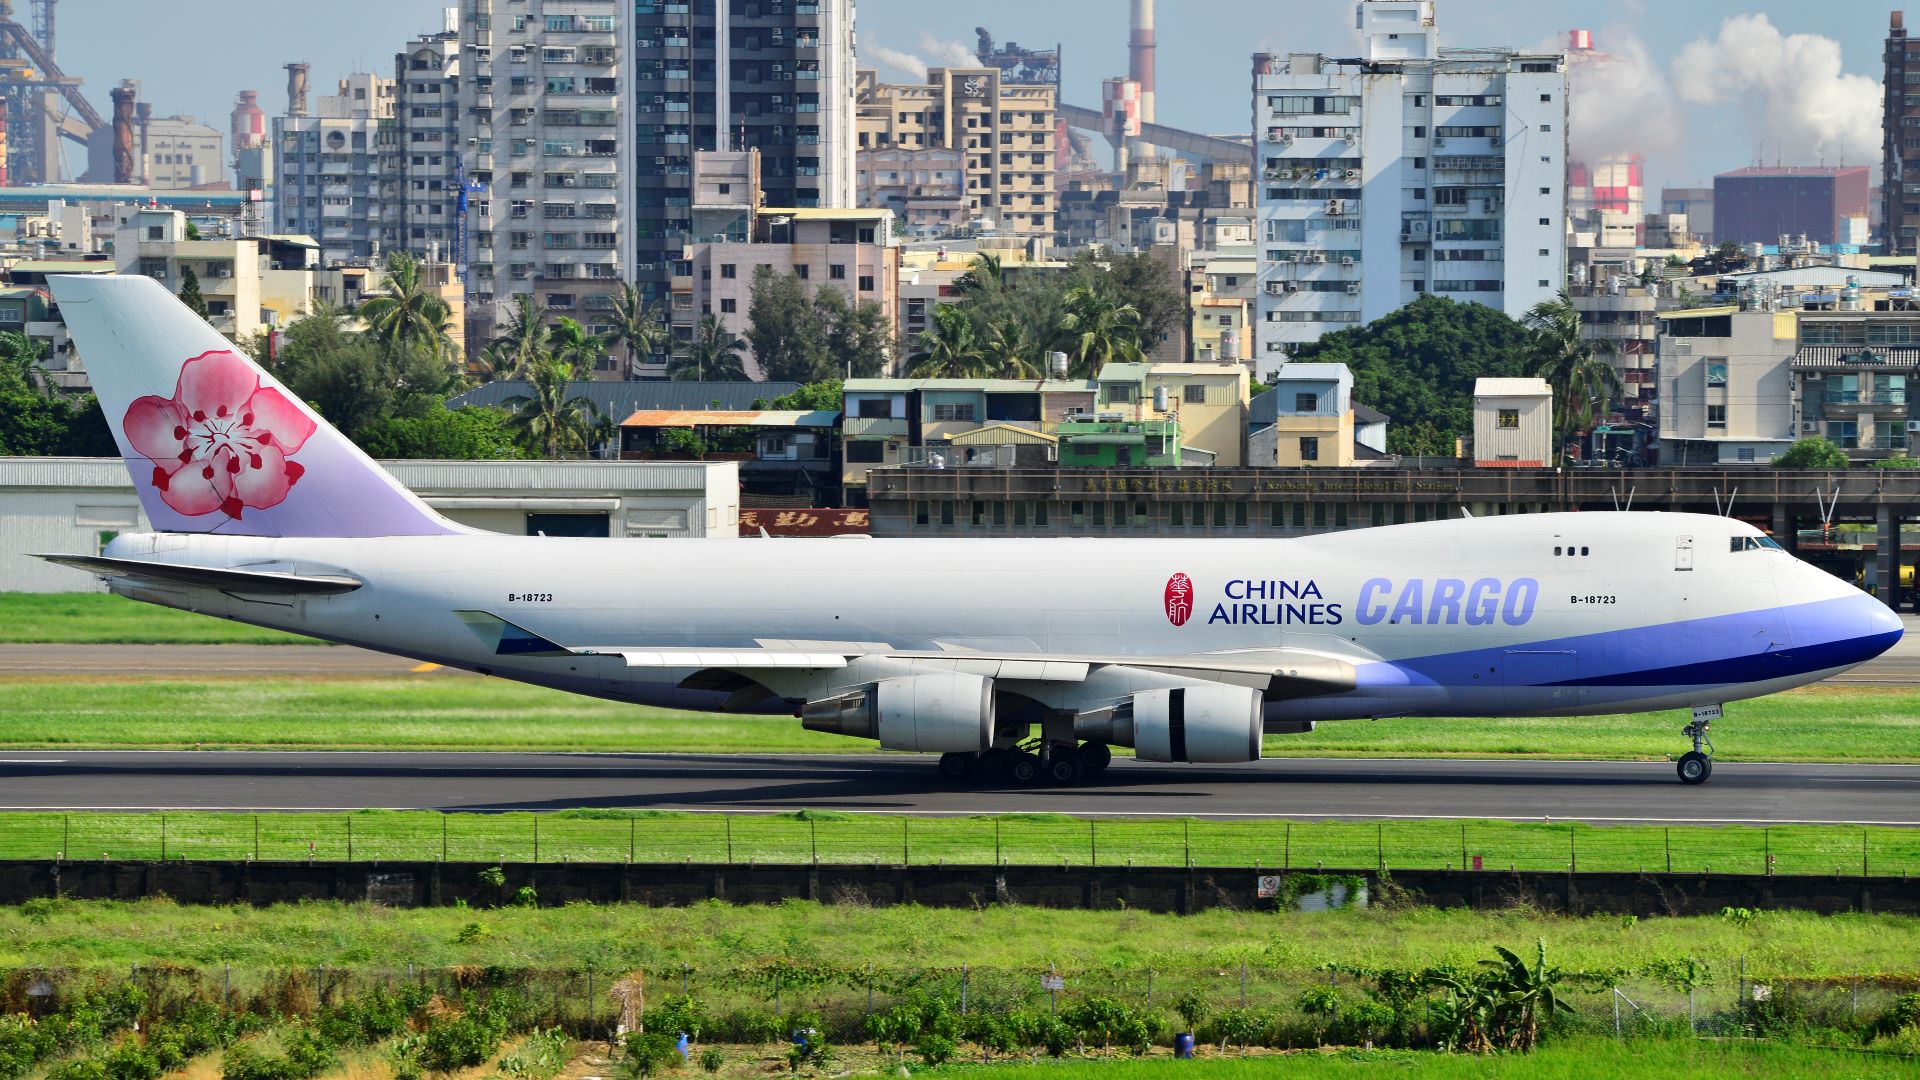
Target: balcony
(1864, 397)
(873, 427)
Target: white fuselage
(1532, 614)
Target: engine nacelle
(941, 712)
(1204, 724)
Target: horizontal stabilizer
(226, 579)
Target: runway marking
(31, 760)
(1197, 814)
(422, 669)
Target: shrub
(649, 1053)
(83, 1069)
(935, 1049)
(462, 1041)
(1192, 1009)
(677, 1014)
(711, 1059)
(524, 896)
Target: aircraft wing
(226, 579)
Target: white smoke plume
(1804, 109)
(903, 62)
(948, 53)
(1618, 101)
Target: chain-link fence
(809, 837)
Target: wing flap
(226, 579)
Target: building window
(1306, 402)
(1717, 416)
(727, 305)
(805, 272)
(837, 271)
(1309, 448)
(956, 412)
(1508, 418)
(866, 282)
(728, 271)
(1194, 394)
(1119, 393)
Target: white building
(420, 148)
(1512, 423)
(1417, 169)
(170, 153)
(327, 169)
(76, 505)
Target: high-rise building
(580, 118)
(1827, 204)
(1003, 131)
(1417, 169)
(1900, 141)
(327, 169)
(421, 210)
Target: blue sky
(1745, 89)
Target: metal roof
(1511, 388)
(1844, 357)
(1001, 434)
(627, 398)
(768, 418)
(988, 386)
(1364, 415)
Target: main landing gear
(1033, 763)
(1695, 766)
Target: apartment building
(1726, 391)
(249, 284)
(422, 169)
(1005, 134)
(925, 187)
(1900, 141)
(1418, 169)
(328, 165)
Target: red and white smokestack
(1140, 58)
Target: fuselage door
(1683, 553)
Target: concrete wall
(1172, 889)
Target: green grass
(1581, 1059)
(654, 836)
(461, 713)
(102, 618)
(1091, 947)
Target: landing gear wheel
(1095, 757)
(995, 765)
(1025, 768)
(1695, 767)
(956, 766)
(1064, 769)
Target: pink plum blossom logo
(222, 441)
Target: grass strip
(1579, 1059)
(1049, 840)
(1107, 951)
(99, 710)
(103, 619)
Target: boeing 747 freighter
(1023, 659)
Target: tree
(637, 325)
(351, 379)
(407, 315)
(1583, 385)
(571, 344)
(1099, 329)
(716, 355)
(948, 348)
(1418, 365)
(469, 433)
(548, 420)
(190, 292)
(1011, 351)
(524, 337)
(858, 336)
(985, 276)
(1812, 452)
(786, 340)
(22, 358)
(813, 397)
(1143, 282)
(1522, 996)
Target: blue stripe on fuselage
(1792, 641)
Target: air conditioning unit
(1493, 140)
(1275, 288)
(1352, 139)
(1319, 257)
(1285, 139)
(1353, 287)
(1353, 174)
(1439, 140)
(1811, 426)
(1913, 426)
(1417, 227)
(1812, 376)
(1336, 207)
(1346, 260)
(1274, 137)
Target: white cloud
(903, 62)
(1802, 107)
(948, 53)
(1619, 102)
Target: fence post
(1186, 840)
(1093, 846)
(1863, 853)
(966, 974)
(1766, 839)
(536, 838)
(349, 839)
(1669, 841)
(633, 828)
(813, 837)
(1286, 850)
(1243, 983)
(64, 834)
(1379, 846)
(905, 852)
(163, 838)
(1149, 988)
(1573, 862)
(443, 838)
(729, 821)
(996, 841)
(1463, 845)
(256, 838)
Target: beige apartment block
(1005, 134)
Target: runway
(1292, 787)
(1898, 667)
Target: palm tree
(1010, 350)
(1098, 330)
(949, 349)
(407, 314)
(569, 343)
(717, 355)
(22, 354)
(1583, 385)
(985, 276)
(546, 418)
(637, 325)
(525, 336)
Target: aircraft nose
(1872, 628)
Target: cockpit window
(1755, 543)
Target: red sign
(1179, 599)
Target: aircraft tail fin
(216, 444)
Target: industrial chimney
(249, 126)
(123, 97)
(297, 88)
(1140, 57)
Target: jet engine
(945, 712)
(1212, 724)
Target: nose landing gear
(1695, 766)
